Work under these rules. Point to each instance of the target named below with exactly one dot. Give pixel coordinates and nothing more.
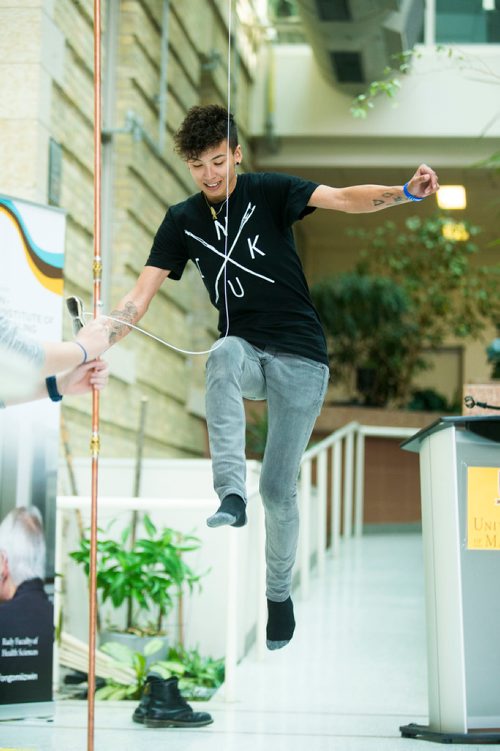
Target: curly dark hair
(203, 128)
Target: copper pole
(95, 439)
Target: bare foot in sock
(231, 512)
(280, 623)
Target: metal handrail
(346, 463)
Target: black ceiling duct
(353, 40)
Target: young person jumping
(237, 230)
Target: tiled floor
(354, 672)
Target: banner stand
(32, 239)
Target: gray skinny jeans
(294, 388)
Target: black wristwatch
(51, 384)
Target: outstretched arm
(134, 305)
(361, 199)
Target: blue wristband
(52, 391)
(410, 195)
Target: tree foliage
(412, 289)
(388, 86)
(451, 296)
(369, 328)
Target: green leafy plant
(123, 655)
(389, 85)
(450, 295)
(369, 329)
(429, 400)
(150, 574)
(198, 676)
(413, 288)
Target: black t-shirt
(267, 294)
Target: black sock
(232, 512)
(280, 623)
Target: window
(333, 11)
(467, 21)
(348, 67)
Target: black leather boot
(162, 706)
(141, 710)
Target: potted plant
(199, 677)
(147, 575)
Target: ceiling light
(451, 197)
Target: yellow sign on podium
(483, 508)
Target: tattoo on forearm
(388, 194)
(127, 315)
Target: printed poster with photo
(32, 241)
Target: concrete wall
(443, 97)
